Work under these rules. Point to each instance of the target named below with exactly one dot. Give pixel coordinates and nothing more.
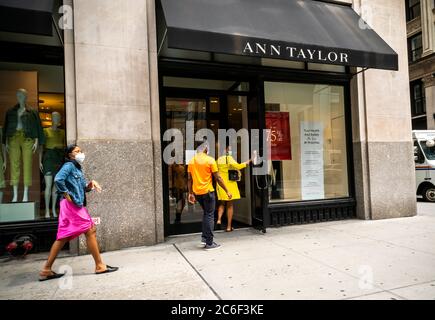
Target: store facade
(339, 134)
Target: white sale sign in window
(312, 175)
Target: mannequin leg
(15, 163)
(54, 201)
(47, 194)
(27, 166)
(26, 194)
(15, 193)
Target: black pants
(208, 205)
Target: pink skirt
(73, 220)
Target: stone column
(383, 156)
(70, 75)
(70, 88)
(429, 90)
(117, 122)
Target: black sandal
(108, 270)
(52, 276)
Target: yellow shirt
(201, 168)
(54, 138)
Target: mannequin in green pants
(22, 135)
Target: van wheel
(429, 194)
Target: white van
(424, 155)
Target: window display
(308, 141)
(33, 142)
(22, 135)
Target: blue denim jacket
(70, 179)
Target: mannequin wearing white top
(50, 188)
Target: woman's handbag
(233, 175)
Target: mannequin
(51, 159)
(22, 135)
(179, 188)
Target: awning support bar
(363, 70)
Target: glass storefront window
(33, 141)
(308, 141)
(32, 116)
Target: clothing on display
(52, 161)
(54, 151)
(55, 139)
(20, 147)
(31, 124)
(20, 132)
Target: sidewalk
(354, 259)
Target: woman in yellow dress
(225, 163)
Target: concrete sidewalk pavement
(353, 259)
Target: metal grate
(311, 213)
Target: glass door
(182, 217)
(222, 105)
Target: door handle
(267, 185)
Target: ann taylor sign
(295, 53)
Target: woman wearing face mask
(74, 218)
(227, 162)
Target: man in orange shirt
(201, 169)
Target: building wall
(112, 96)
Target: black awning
(300, 30)
(26, 16)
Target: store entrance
(186, 109)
